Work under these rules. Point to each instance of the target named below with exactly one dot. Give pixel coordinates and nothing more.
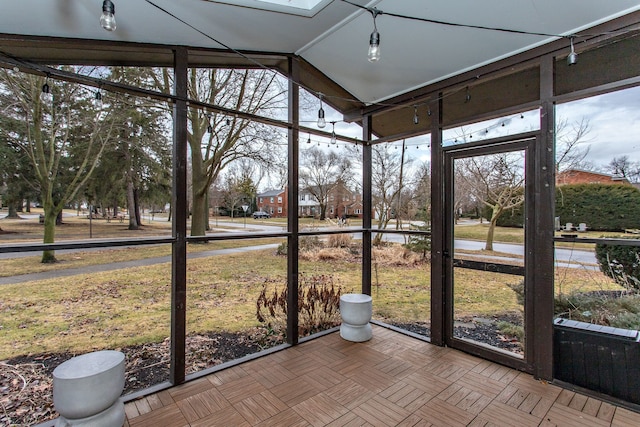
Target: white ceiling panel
(334, 38)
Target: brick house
(273, 202)
(577, 176)
(340, 201)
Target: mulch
(26, 382)
(481, 330)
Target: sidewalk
(124, 264)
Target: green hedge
(602, 207)
(621, 263)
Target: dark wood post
(438, 222)
(292, 201)
(367, 204)
(179, 224)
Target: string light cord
(376, 12)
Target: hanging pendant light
(333, 133)
(97, 99)
(108, 17)
(321, 120)
(374, 39)
(572, 59)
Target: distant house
(273, 202)
(340, 201)
(577, 176)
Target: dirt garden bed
(26, 381)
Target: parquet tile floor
(392, 380)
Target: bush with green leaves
(621, 263)
(603, 207)
(420, 243)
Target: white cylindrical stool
(86, 390)
(355, 310)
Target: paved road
(564, 257)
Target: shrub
(511, 330)
(318, 306)
(603, 207)
(420, 243)
(340, 240)
(282, 249)
(619, 309)
(616, 309)
(621, 263)
(307, 243)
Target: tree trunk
(198, 219)
(13, 212)
(492, 228)
(206, 211)
(50, 217)
(131, 207)
(199, 189)
(137, 209)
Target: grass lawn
(124, 307)
(119, 308)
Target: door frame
(526, 143)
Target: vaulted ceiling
(332, 36)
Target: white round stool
(355, 310)
(86, 390)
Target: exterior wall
(574, 176)
(273, 202)
(341, 201)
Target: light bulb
(333, 137)
(108, 17)
(98, 99)
(416, 119)
(321, 121)
(572, 59)
(374, 47)
(46, 94)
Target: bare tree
(497, 181)
(623, 167)
(387, 183)
(216, 139)
(570, 153)
(321, 172)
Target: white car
(260, 214)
